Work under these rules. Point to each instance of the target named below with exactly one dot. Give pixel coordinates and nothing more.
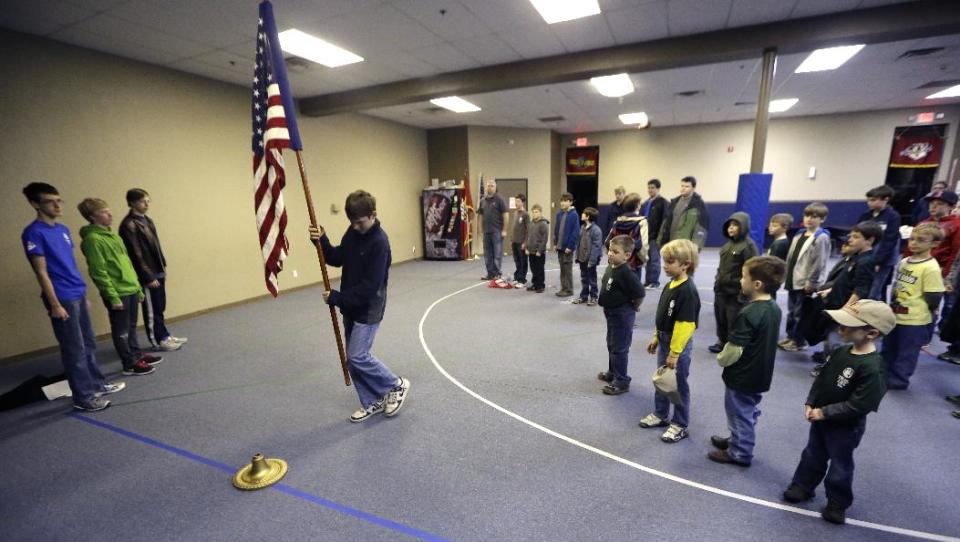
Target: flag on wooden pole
(274, 129)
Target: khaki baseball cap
(866, 312)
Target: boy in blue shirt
(886, 251)
(49, 248)
(364, 254)
(565, 238)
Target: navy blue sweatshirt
(886, 250)
(365, 259)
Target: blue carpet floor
(157, 464)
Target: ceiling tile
(645, 22)
(213, 23)
(383, 28)
(487, 50)
(111, 27)
(444, 56)
(808, 8)
(115, 46)
(583, 34)
(40, 16)
(695, 16)
(456, 22)
(748, 12)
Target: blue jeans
(493, 252)
(742, 414)
(78, 346)
(520, 263)
(588, 281)
(681, 412)
(901, 349)
(371, 377)
(123, 330)
(794, 309)
(653, 264)
(878, 289)
(619, 338)
(833, 443)
(154, 303)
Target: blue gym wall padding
(753, 198)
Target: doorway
(583, 173)
(911, 184)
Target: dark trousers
(829, 453)
(588, 281)
(78, 346)
(493, 252)
(726, 307)
(536, 269)
(566, 271)
(154, 303)
(794, 309)
(742, 414)
(653, 264)
(123, 330)
(619, 337)
(520, 262)
(881, 279)
(900, 351)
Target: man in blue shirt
(49, 248)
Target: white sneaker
(113, 387)
(652, 420)
(180, 340)
(674, 433)
(366, 413)
(168, 345)
(395, 398)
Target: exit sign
(582, 141)
(925, 117)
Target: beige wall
(850, 153)
(96, 125)
(447, 153)
(512, 153)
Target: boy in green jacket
(111, 270)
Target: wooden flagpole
(323, 269)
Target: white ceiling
(402, 39)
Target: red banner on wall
(583, 161)
(916, 151)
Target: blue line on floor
(292, 491)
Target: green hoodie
(108, 263)
(733, 255)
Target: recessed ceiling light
(312, 48)
(828, 59)
(455, 104)
(557, 11)
(952, 92)
(640, 119)
(613, 86)
(779, 106)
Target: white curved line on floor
(648, 470)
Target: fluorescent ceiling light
(315, 49)
(828, 59)
(952, 92)
(779, 106)
(640, 119)
(557, 11)
(455, 104)
(613, 86)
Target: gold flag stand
(260, 473)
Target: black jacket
(658, 207)
(365, 259)
(139, 234)
(733, 255)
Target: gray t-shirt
(492, 209)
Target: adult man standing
(615, 209)
(493, 223)
(654, 209)
(686, 217)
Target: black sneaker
(834, 513)
(93, 404)
(796, 494)
(605, 376)
(716, 348)
(151, 359)
(955, 399)
(487, 277)
(818, 357)
(720, 443)
(140, 368)
(816, 370)
(610, 389)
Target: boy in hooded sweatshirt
(633, 225)
(727, 298)
(589, 251)
(536, 247)
(111, 270)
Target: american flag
(274, 129)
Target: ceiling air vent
(296, 64)
(739, 104)
(434, 109)
(557, 118)
(941, 84)
(913, 53)
(689, 93)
